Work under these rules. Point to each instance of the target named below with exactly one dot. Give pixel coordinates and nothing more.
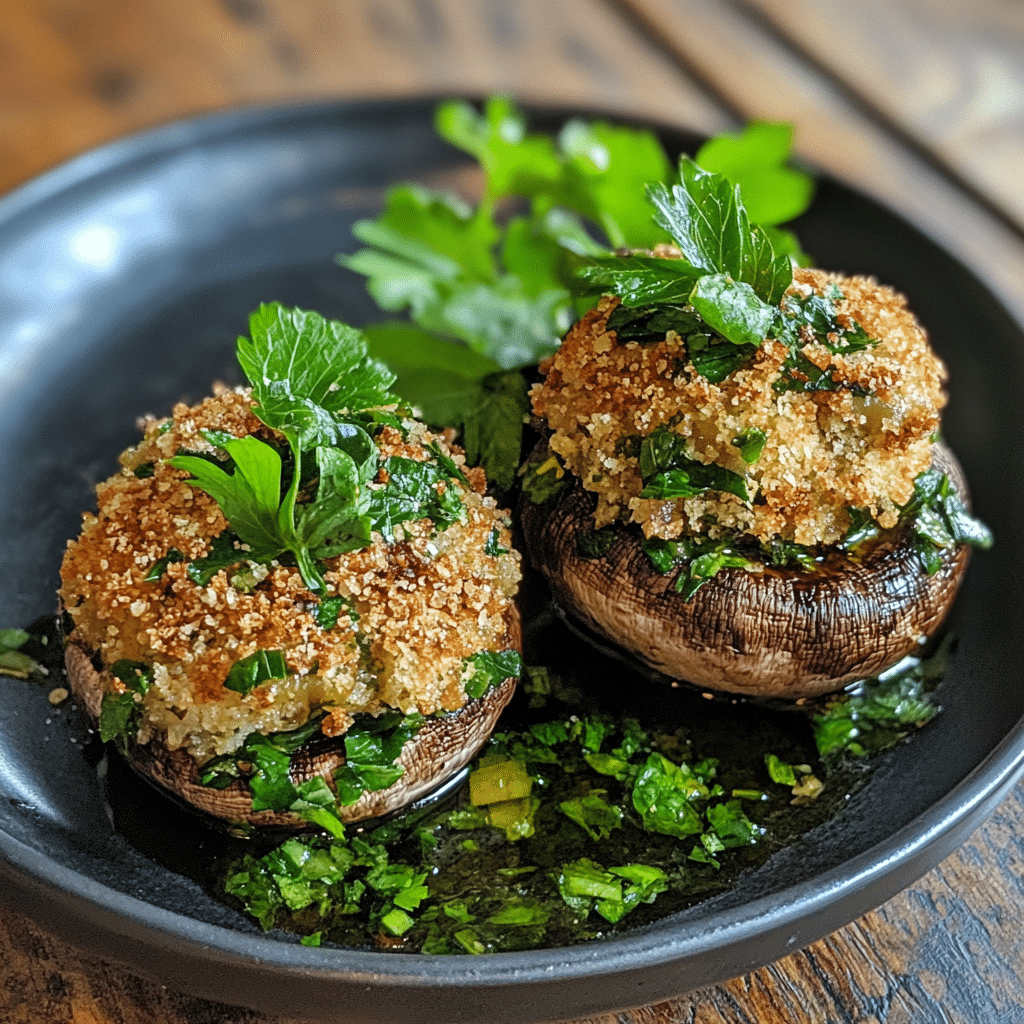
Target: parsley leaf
(585, 885)
(250, 497)
(299, 363)
(751, 443)
(607, 169)
(372, 748)
(733, 309)
(878, 712)
(707, 220)
(493, 426)
(415, 490)
(488, 669)
(120, 710)
(940, 520)
(664, 795)
(669, 472)
(593, 813)
(504, 287)
(311, 379)
(224, 552)
(642, 280)
(755, 159)
(543, 478)
(259, 667)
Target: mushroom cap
(783, 633)
(438, 751)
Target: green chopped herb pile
(575, 824)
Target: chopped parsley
(936, 517)
(815, 318)
(156, 573)
(488, 669)
(750, 443)
(13, 660)
(543, 478)
(329, 609)
(668, 472)
(372, 748)
(120, 709)
(575, 823)
(874, 715)
(940, 520)
(493, 546)
(259, 667)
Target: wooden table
(918, 102)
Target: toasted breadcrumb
(826, 451)
(419, 607)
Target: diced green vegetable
(499, 780)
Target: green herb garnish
(593, 813)
(14, 661)
(940, 520)
(879, 712)
(156, 573)
(543, 478)
(489, 295)
(669, 472)
(329, 609)
(121, 711)
(258, 668)
(310, 378)
(585, 885)
(729, 271)
(372, 748)
(488, 669)
(414, 490)
(750, 443)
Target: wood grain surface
(948, 77)
(913, 101)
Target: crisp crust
(419, 607)
(826, 451)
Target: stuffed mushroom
(294, 604)
(741, 481)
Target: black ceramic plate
(125, 277)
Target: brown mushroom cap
(438, 751)
(785, 633)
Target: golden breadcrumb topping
(415, 609)
(860, 445)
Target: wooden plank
(77, 74)
(760, 77)
(947, 74)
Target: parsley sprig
(311, 380)
(490, 292)
(729, 272)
